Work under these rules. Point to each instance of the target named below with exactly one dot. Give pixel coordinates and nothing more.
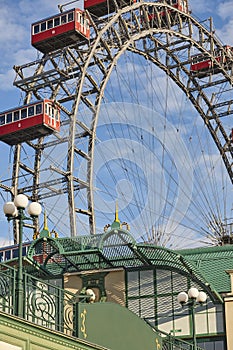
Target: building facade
(131, 283)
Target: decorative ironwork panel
(7, 289)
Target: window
(57, 115)
(9, 117)
(7, 254)
(39, 108)
(24, 251)
(152, 295)
(31, 111)
(43, 26)
(212, 344)
(57, 21)
(50, 24)
(36, 29)
(70, 17)
(16, 116)
(86, 23)
(15, 253)
(63, 19)
(2, 119)
(24, 113)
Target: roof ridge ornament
(116, 213)
(117, 224)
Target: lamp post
(192, 298)
(15, 211)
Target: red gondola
(61, 30)
(153, 14)
(202, 65)
(104, 7)
(181, 5)
(29, 122)
(12, 252)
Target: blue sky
(17, 15)
(15, 21)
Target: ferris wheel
(140, 101)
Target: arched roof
(113, 249)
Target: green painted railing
(47, 305)
(43, 303)
(172, 343)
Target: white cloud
(6, 80)
(225, 10)
(200, 7)
(225, 33)
(15, 30)
(4, 242)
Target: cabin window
(78, 17)
(86, 23)
(174, 2)
(36, 29)
(50, 111)
(15, 253)
(23, 113)
(63, 19)
(43, 26)
(16, 116)
(57, 115)
(57, 21)
(30, 111)
(81, 20)
(46, 109)
(50, 24)
(2, 119)
(9, 117)
(8, 255)
(39, 109)
(70, 17)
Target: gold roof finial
(45, 232)
(45, 221)
(116, 223)
(117, 212)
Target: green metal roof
(113, 249)
(212, 263)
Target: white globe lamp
(193, 293)
(202, 296)
(34, 209)
(21, 201)
(10, 209)
(182, 298)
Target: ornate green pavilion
(135, 285)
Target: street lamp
(15, 211)
(192, 298)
